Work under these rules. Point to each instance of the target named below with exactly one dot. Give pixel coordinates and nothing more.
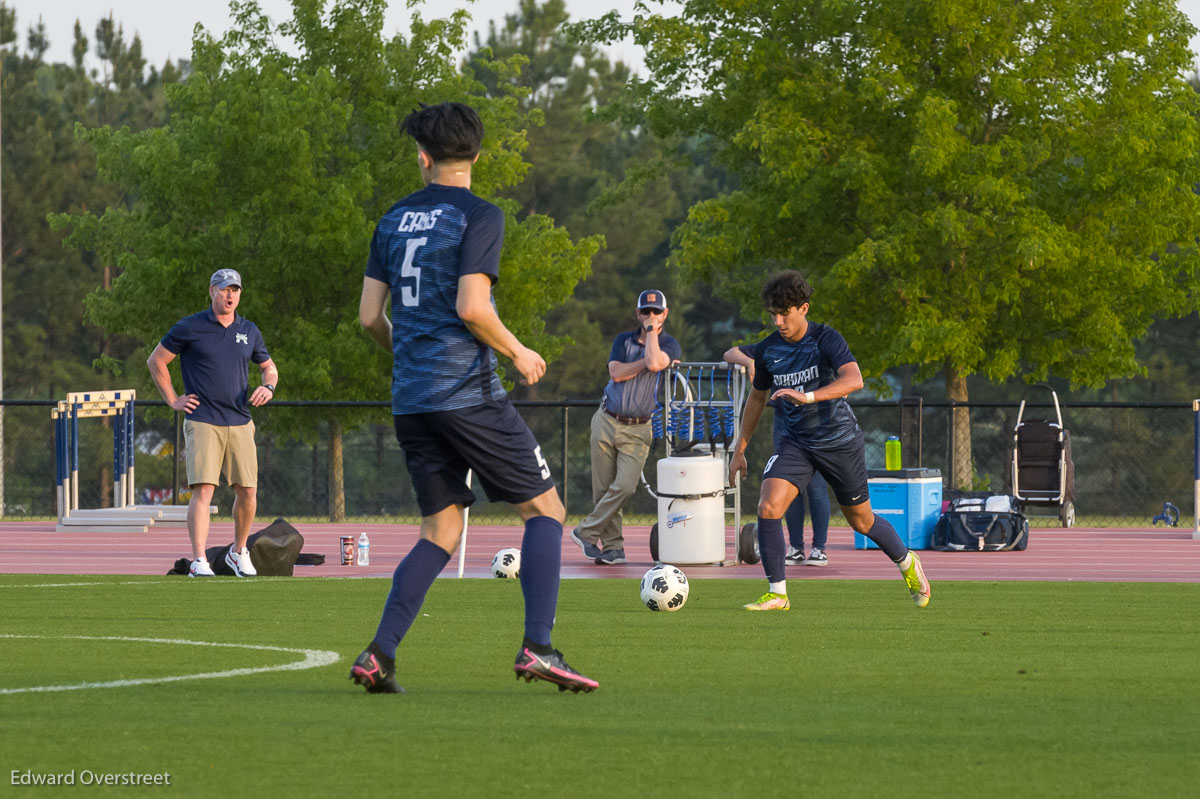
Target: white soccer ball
(507, 564)
(664, 587)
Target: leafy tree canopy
(578, 156)
(281, 152)
(49, 350)
(973, 186)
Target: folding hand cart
(1043, 473)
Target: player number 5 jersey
(421, 247)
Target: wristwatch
(269, 387)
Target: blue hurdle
(1196, 467)
(117, 405)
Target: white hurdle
(1196, 469)
(126, 516)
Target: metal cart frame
(1061, 495)
(700, 409)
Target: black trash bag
(273, 551)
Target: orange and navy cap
(652, 299)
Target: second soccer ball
(507, 564)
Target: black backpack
(981, 524)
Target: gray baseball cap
(224, 278)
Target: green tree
(49, 349)
(577, 157)
(973, 186)
(277, 161)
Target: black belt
(627, 419)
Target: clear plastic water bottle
(364, 550)
(891, 453)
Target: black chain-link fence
(1129, 458)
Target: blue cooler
(911, 499)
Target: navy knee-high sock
(771, 548)
(795, 522)
(883, 534)
(410, 583)
(541, 559)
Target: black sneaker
(589, 550)
(816, 558)
(610, 557)
(551, 668)
(794, 556)
(370, 672)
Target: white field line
(313, 658)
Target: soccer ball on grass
(507, 564)
(664, 587)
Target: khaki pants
(619, 452)
(213, 450)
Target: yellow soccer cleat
(914, 577)
(769, 601)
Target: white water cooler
(691, 508)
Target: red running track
(1098, 555)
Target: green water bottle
(891, 453)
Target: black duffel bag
(991, 524)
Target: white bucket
(691, 530)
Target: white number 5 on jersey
(411, 295)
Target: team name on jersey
(796, 378)
(416, 221)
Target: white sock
(778, 588)
(904, 564)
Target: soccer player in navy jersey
(437, 253)
(807, 368)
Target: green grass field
(998, 689)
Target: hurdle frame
(125, 515)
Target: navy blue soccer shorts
(491, 439)
(844, 467)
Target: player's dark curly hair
(786, 290)
(447, 131)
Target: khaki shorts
(213, 450)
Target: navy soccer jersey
(214, 360)
(806, 365)
(420, 249)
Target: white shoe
(794, 556)
(200, 568)
(240, 562)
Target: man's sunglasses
(655, 311)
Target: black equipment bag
(273, 551)
(989, 524)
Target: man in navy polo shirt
(215, 348)
(621, 433)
